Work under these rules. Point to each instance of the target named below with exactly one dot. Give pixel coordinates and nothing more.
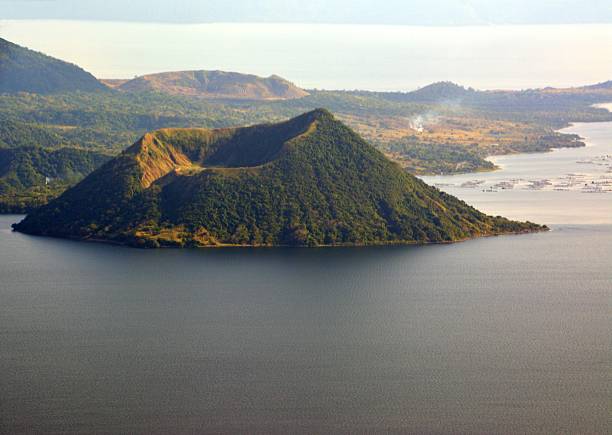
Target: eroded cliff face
(157, 159)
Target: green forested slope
(24, 70)
(307, 181)
(30, 176)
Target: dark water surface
(499, 335)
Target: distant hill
(24, 70)
(213, 84)
(307, 181)
(31, 175)
(607, 85)
(441, 91)
(545, 99)
(603, 87)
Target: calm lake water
(499, 335)
(333, 56)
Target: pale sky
(375, 57)
(412, 12)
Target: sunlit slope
(213, 84)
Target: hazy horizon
(323, 56)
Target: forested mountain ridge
(307, 181)
(25, 70)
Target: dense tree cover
(30, 176)
(24, 70)
(109, 121)
(308, 181)
(117, 113)
(20, 134)
(420, 158)
(114, 120)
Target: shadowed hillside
(30, 176)
(24, 70)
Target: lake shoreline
(543, 229)
(583, 143)
(558, 187)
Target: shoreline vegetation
(541, 229)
